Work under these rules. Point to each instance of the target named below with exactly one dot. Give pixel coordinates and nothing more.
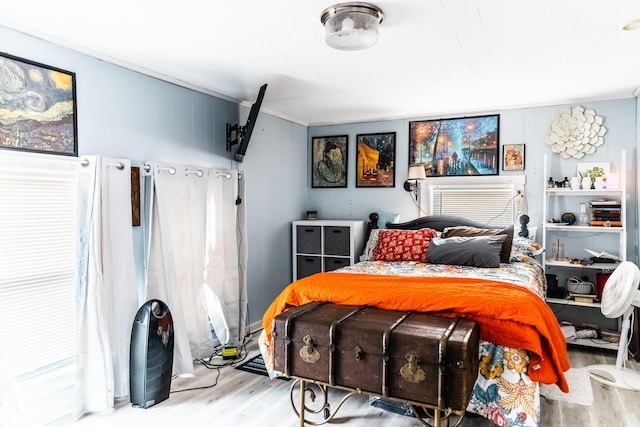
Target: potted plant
(589, 177)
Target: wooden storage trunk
(411, 356)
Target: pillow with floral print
(371, 244)
(403, 245)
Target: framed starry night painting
(38, 107)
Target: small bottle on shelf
(557, 251)
(583, 218)
(550, 183)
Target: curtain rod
(227, 175)
(85, 162)
(199, 172)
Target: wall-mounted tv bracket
(235, 133)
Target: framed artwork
(456, 147)
(38, 107)
(513, 157)
(329, 161)
(135, 196)
(375, 160)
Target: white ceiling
(434, 58)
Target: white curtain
(176, 258)
(106, 299)
(225, 269)
(194, 262)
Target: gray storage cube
(308, 239)
(337, 241)
(308, 265)
(331, 264)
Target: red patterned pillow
(403, 245)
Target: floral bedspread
(503, 392)
(523, 271)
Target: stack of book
(605, 213)
(585, 298)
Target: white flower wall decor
(576, 132)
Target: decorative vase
(586, 183)
(599, 183)
(575, 183)
(583, 218)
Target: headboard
(435, 222)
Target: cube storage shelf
(325, 245)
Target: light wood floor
(244, 399)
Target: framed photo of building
(375, 160)
(513, 157)
(329, 161)
(456, 147)
(38, 107)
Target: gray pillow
(481, 251)
(464, 231)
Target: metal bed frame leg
(302, 387)
(440, 417)
(324, 407)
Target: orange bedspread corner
(508, 315)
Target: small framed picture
(513, 157)
(329, 161)
(375, 160)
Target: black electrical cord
(209, 364)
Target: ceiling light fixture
(351, 26)
(632, 25)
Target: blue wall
(525, 125)
(122, 113)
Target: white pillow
(371, 245)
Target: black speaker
(553, 290)
(151, 355)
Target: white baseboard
(253, 327)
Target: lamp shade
(351, 26)
(416, 172)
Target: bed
(453, 267)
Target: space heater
(151, 356)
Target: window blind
(487, 204)
(38, 280)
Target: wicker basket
(576, 285)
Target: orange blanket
(508, 315)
